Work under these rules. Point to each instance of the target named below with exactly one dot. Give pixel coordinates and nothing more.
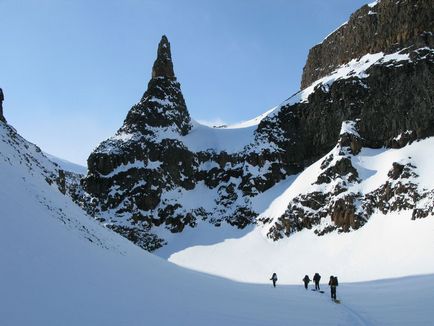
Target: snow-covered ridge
(67, 165)
(234, 138)
(355, 68)
(15, 150)
(230, 140)
(373, 4)
(338, 28)
(30, 187)
(252, 122)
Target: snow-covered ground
(202, 138)
(67, 165)
(60, 267)
(389, 245)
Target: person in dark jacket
(333, 284)
(274, 279)
(306, 281)
(2, 97)
(316, 279)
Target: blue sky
(71, 69)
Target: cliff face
(367, 86)
(383, 26)
(388, 105)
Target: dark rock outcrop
(388, 26)
(141, 181)
(330, 197)
(137, 178)
(395, 100)
(163, 66)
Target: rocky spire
(162, 105)
(163, 66)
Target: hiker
(2, 97)
(316, 279)
(333, 284)
(274, 279)
(306, 281)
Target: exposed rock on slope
(383, 26)
(146, 177)
(164, 172)
(391, 97)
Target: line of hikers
(333, 283)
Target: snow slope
(60, 267)
(202, 138)
(252, 122)
(389, 245)
(67, 165)
(231, 139)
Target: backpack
(336, 281)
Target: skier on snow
(316, 279)
(274, 279)
(306, 281)
(333, 284)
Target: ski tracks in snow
(357, 319)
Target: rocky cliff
(142, 182)
(162, 172)
(382, 26)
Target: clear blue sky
(71, 69)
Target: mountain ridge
(142, 181)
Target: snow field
(60, 267)
(386, 246)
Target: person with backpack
(316, 279)
(333, 283)
(274, 279)
(306, 281)
(2, 97)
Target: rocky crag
(139, 177)
(382, 26)
(368, 85)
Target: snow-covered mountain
(394, 242)
(337, 179)
(67, 165)
(61, 267)
(164, 177)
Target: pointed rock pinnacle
(163, 66)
